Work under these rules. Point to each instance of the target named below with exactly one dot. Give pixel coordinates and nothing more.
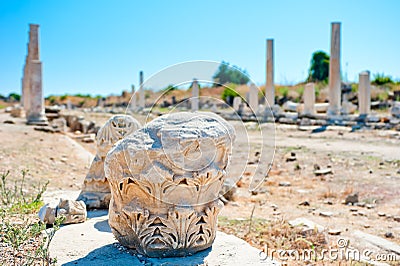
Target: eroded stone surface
(165, 180)
(73, 211)
(96, 191)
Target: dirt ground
(364, 162)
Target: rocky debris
(78, 123)
(396, 218)
(369, 206)
(73, 211)
(284, 184)
(304, 203)
(381, 214)
(360, 204)
(47, 129)
(395, 110)
(351, 199)
(325, 214)
(307, 225)
(334, 232)
(389, 235)
(59, 124)
(17, 111)
(323, 171)
(291, 157)
(378, 242)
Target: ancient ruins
(32, 93)
(165, 181)
(96, 190)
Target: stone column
(195, 95)
(237, 101)
(364, 93)
(334, 71)
(141, 91)
(133, 98)
(35, 114)
(253, 97)
(309, 99)
(269, 86)
(32, 91)
(33, 47)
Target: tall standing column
(364, 93)
(32, 81)
(269, 86)
(334, 71)
(195, 95)
(141, 91)
(309, 99)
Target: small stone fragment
(351, 199)
(326, 214)
(47, 214)
(324, 171)
(285, 184)
(304, 203)
(334, 232)
(389, 235)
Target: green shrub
(381, 79)
(63, 97)
(228, 91)
(19, 226)
(284, 91)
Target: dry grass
(274, 234)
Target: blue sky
(99, 47)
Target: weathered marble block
(96, 190)
(165, 181)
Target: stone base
(95, 200)
(37, 121)
(92, 243)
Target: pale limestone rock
(96, 191)
(47, 214)
(73, 211)
(237, 101)
(165, 181)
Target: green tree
(230, 74)
(14, 96)
(319, 69)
